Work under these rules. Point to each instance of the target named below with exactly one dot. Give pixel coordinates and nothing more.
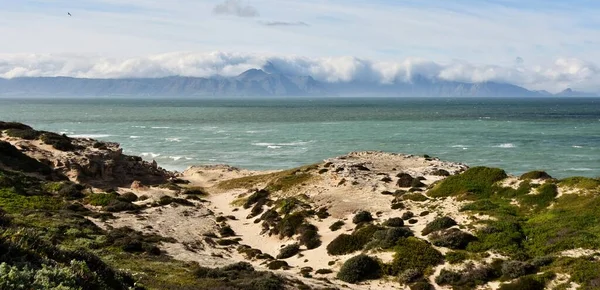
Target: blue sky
(480, 33)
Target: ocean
(558, 135)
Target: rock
(137, 185)
(404, 180)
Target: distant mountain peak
(253, 73)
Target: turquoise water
(561, 136)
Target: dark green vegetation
(530, 225)
(359, 268)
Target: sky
(537, 44)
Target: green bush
(525, 283)
(470, 277)
(13, 125)
(27, 134)
(407, 215)
(404, 180)
(129, 196)
(409, 276)
(480, 205)
(505, 236)
(451, 238)
(344, 244)
(478, 181)
(516, 269)
(256, 197)
(336, 226)
(118, 205)
(536, 174)
(276, 265)
(387, 238)
(359, 268)
(580, 182)
(362, 217)
(394, 222)
(226, 232)
(413, 253)
(438, 224)
(16, 160)
(418, 197)
(101, 199)
(309, 236)
(456, 257)
(195, 191)
(59, 142)
(421, 286)
(288, 251)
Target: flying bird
(69, 13)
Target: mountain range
(258, 83)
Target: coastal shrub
(409, 276)
(101, 199)
(505, 236)
(362, 217)
(480, 205)
(289, 225)
(421, 286)
(288, 251)
(387, 238)
(407, 215)
(167, 200)
(336, 226)
(129, 196)
(469, 277)
(287, 182)
(226, 231)
(456, 257)
(256, 197)
(237, 276)
(413, 253)
(478, 181)
(516, 269)
(59, 142)
(440, 172)
(277, 264)
(546, 194)
(345, 244)
(118, 205)
(404, 180)
(524, 283)
(27, 134)
(359, 268)
(13, 125)
(70, 191)
(394, 222)
(418, 197)
(309, 236)
(451, 238)
(580, 182)
(324, 271)
(438, 224)
(536, 174)
(196, 190)
(322, 213)
(17, 160)
(4, 218)
(417, 183)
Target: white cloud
(235, 7)
(554, 76)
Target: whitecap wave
(577, 146)
(138, 127)
(90, 136)
(134, 137)
(580, 169)
(150, 154)
(173, 139)
(505, 145)
(176, 158)
(296, 143)
(273, 147)
(161, 127)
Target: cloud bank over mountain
(555, 76)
